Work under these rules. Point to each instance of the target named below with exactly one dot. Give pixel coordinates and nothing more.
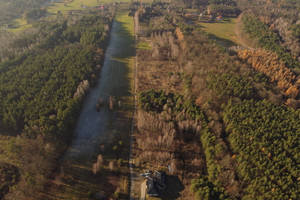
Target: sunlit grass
(78, 5)
(62, 7)
(128, 24)
(20, 25)
(127, 21)
(54, 8)
(144, 45)
(223, 30)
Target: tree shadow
(174, 187)
(223, 42)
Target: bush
(90, 194)
(120, 162)
(206, 190)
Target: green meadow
(222, 31)
(63, 7)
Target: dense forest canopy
(38, 89)
(263, 137)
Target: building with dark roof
(156, 183)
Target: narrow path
(143, 191)
(100, 128)
(131, 159)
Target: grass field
(63, 7)
(222, 31)
(74, 5)
(144, 45)
(78, 5)
(21, 24)
(54, 8)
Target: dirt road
(143, 191)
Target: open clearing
(222, 31)
(78, 5)
(62, 7)
(74, 5)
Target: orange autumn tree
(272, 66)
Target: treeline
(280, 16)
(286, 9)
(34, 14)
(215, 7)
(269, 64)
(224, 7)
(159, 101)
(267, 39)
(265, 140)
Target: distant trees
(224, 7)
(268, 39)
(10, 10)
(280, 16)
(34, 14)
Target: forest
(39, 89)
(263, 138)
(45, 73)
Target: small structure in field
(219, 18)
(100, 7)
